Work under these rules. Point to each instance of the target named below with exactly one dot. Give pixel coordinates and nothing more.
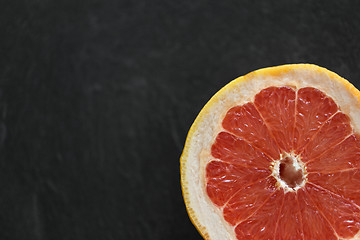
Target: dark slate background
(96, 98)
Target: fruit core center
(291, 172)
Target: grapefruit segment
(315, 226)
(343, 183)
(224, 179)
(343, 216)
(290, 225)
(245, 122)
(246, 201)
(345, 155)
(277, 107)
(262, 223)
(232, 149)
(334, 131)
(313, 108)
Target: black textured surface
(96, 98)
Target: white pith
(206, 216)
(296, 163)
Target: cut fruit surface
(274, 155)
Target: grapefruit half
(275, 154)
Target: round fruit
(275, 154)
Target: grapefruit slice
(275, 154)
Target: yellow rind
(274, 71)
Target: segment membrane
(343, 183)
(334, 131)
(232, 149)
(343, 216)
(225, 179)
(290, 224)
(345, 155)
(315, 226)
(245, 122)
(262, 223)
(245, 202)
(277, 108)
(313, 108)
